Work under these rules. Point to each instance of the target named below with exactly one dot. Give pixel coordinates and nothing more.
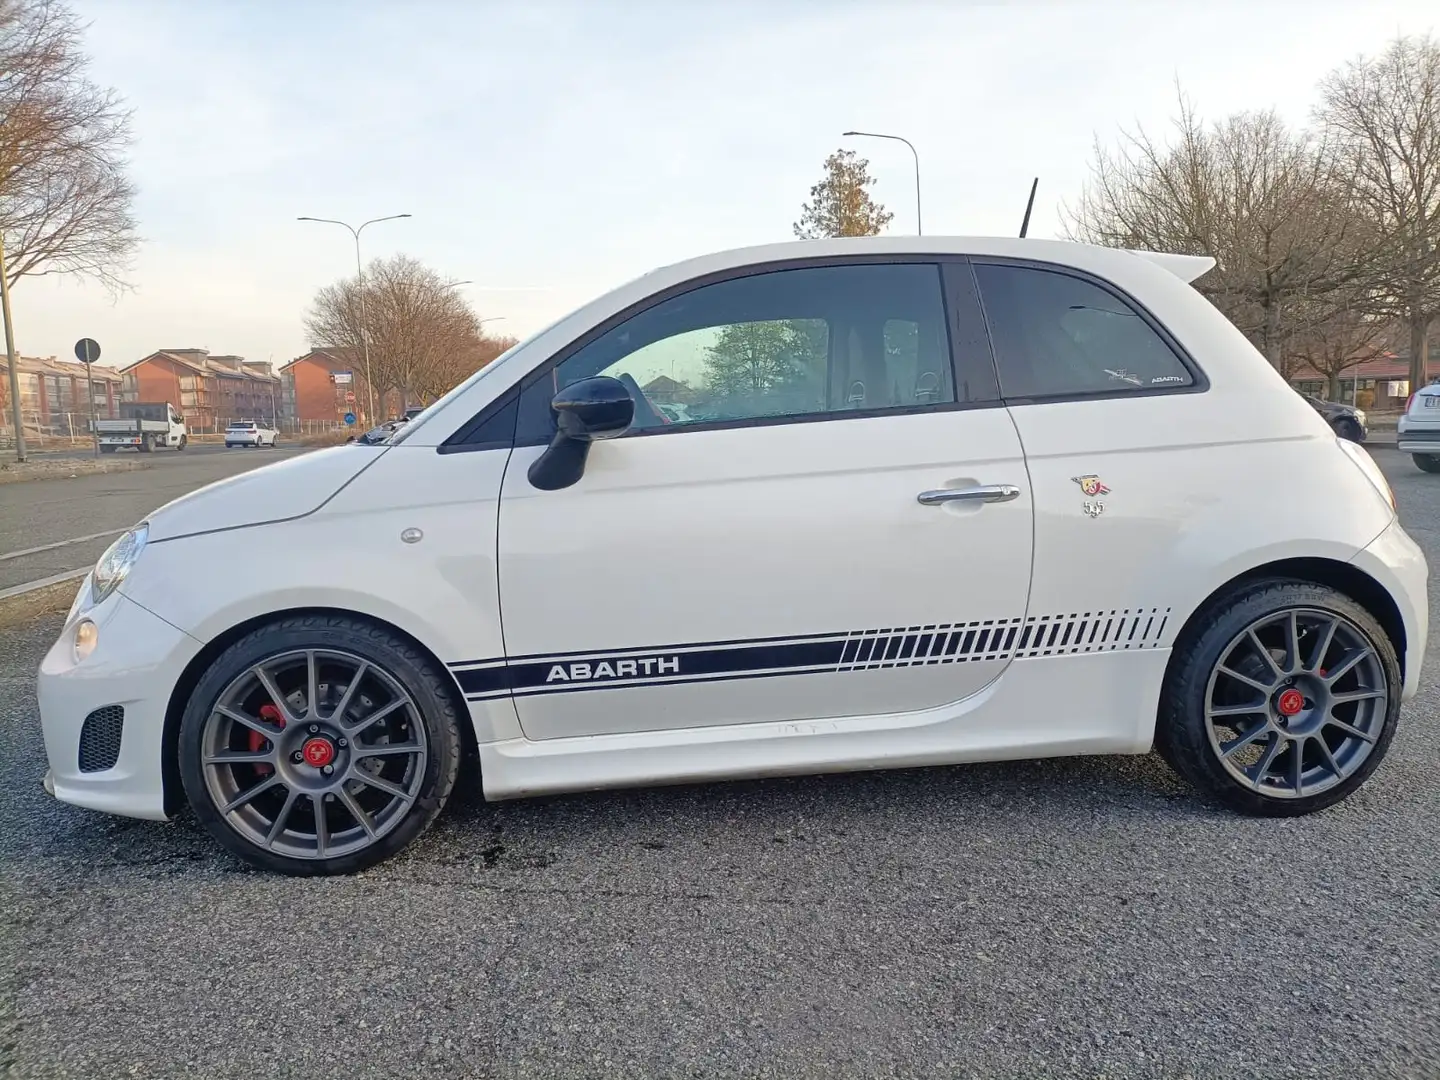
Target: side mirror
(586, 412)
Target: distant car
(1348, 421)
(677, 413)
(250, 433)
(380, 433)
(1418, 431)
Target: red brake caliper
(257, 741)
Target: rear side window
(1056, 335)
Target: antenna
(1029, 205)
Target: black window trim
(952, 296)
(1199, 382)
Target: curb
(21, 603)
(65, 469)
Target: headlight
(115, 564)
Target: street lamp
(360, 274)
(919, 231)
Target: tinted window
(789, 343)
(1055, 334)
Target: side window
(800, 342)
(1055, 334)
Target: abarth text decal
(815, 654)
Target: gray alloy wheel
(320, 744)
(314, 782)
(1296, 703)
(1280, 698)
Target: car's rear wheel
(319, 745)
(1282, 700)
(1428, 462)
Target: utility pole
(10, 355)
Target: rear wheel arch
(1343, 577)
(173, 788)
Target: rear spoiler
(1185, 267)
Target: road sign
(343, 378)
(87, 350)
(349, 418)
(349, 397)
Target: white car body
(649, 610)
(1418, 429)
(250, 433)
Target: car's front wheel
(1428, 462)
(1349, 429)
(1281, 700)
(319, 745)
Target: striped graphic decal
(851, 650)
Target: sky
(548, 152)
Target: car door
(841, 525)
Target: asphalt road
(1077, 918)
(40, 513)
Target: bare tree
(65, 200)
(1385, 114)
(1271, 205)
(1347, 336)
(424, 336)
(840, 204)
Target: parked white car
(967, 500)
(250, 433)
(1418, 429)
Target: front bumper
(136, 663)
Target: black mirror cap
(596, 408)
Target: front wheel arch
(173, 791)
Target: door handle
(987, 493)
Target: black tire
(1428, 462)
(1181, 733)
(145, 445)
(1349, 430)
(420, 678)
(107, 449)
(184, 442)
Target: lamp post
(360, 275)
(919, 230)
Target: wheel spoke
(378, 714)
(241, 757)
(1330, 762)
(338, 714)
(356, 811)
(1356, 695)
(380, 783)
(322, 826)
(1297, 766)
(1349, 729)
(312, 686)
(1244, 740)
(1255, 684)
(1237, 710)
(1292, 644)
(1351, 659)
(1260, 648)
(277, 698)
(250, 793)
(1317, 658)
(278, 825)
(1266, 760)
(258, 726)
(383, 749)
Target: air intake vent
(100, 738)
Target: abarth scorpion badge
(1092, 486)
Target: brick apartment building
(325, 384)
(55, 394)
(208, 390)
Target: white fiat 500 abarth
(928, 501)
